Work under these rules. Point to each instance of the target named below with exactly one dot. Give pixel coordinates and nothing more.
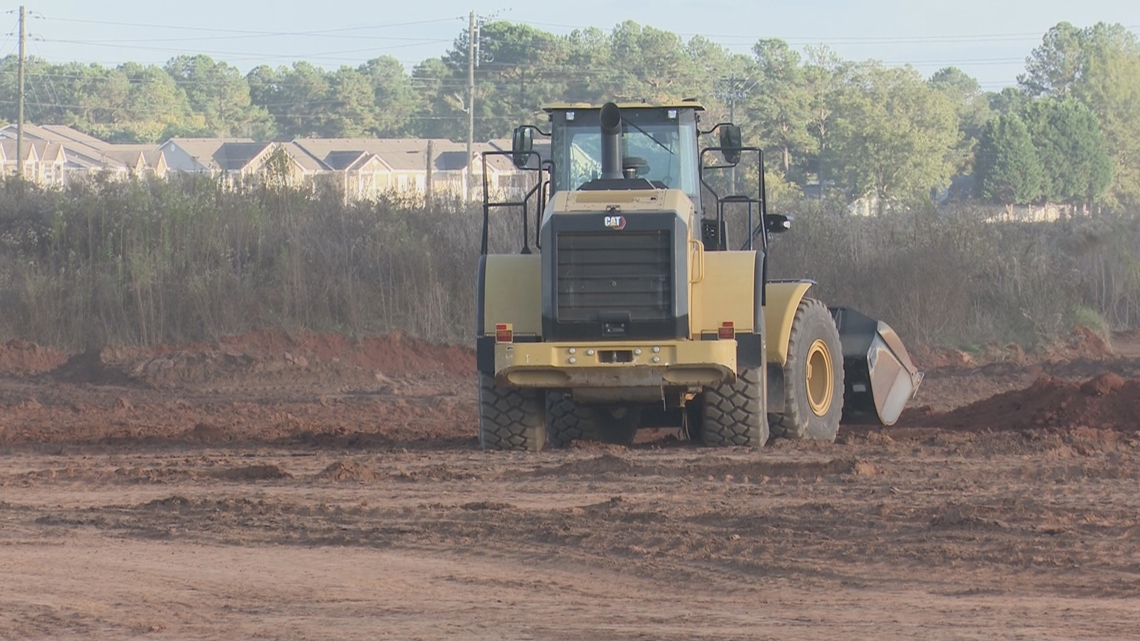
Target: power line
(254, 33)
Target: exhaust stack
(611, 142)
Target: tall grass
(186, 259)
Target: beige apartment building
(365, 168)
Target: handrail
(544, 166)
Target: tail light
(726, 332)
(504, 333)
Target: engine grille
(614, 272)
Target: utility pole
(734, 89)
(20, 101)
(470, 102)
(428, 199)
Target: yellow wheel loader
(631, 309)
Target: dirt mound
(1104, 402)
(1082, 343)
(393, 353)
(597, 466)
(263, 472)
(264, 356)
(341, 471)
(18, 357)
(1127, 343)
(761, 469)
(105, 366)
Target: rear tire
(567, 421)
(510, 418)
(734, 413)
(813, 377)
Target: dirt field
(318, 488)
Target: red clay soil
(394, 353)
(271, 354)
(18, 357)
(1105, 402)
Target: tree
(350, 105)
(1110, 86)
(156, 105)
(779, 105)
(444, 96)
(1099, 66)
(972, 108)
(1010, 100)
(393, 95)
(1066, 133)
(520, 69)
(1053, 68)
(218, 94)
(893, 136)
(826, 78)
(1007, 169)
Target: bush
(186, 259)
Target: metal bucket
(879, 377)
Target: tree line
(1067, 133)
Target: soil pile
(393, 353)
(18, 357)
(266, 355)
(1104, 402)
(342, 471)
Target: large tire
(734, 413)
(813, 377)
(617, 425)
(567, 421)
(510, 418)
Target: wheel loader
(627, 307)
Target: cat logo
(615, 222)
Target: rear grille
(602, 273)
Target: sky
(988, 39)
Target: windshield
(660, 149)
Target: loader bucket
(879, 377)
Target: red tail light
(504, 333)
(726, 332)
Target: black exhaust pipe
(611, 142)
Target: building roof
(63, 132)
(302, 157)
(205, 150)
(400, 154)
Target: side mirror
(777, 223)
(522, 143)
(730, 143)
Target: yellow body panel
(630, 200)
(513, 293)
(725, 293)
(678, 363)
(782, 301)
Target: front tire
(510, 418)
(813, 377)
